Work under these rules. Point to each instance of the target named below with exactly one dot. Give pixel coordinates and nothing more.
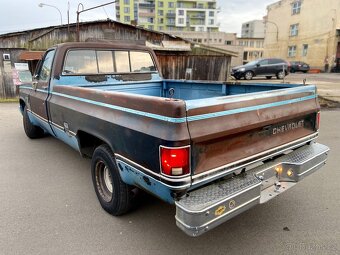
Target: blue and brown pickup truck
(212, 149)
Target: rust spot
(147, 180)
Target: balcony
(146, 6)
(197, 16)
(147, 14)
(171, 15)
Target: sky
(19, 15)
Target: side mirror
(257, 65)
(35, 81)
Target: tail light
(175, 161)
(317, 122)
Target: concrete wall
(318, 21)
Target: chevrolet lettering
(288, 127)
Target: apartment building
(252, 48)
(169, 15)
(253, 29)
(300, 30)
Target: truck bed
(227, 125)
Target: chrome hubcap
(104, 181)
(107, 179)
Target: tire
(31, 130)
(248, 75)
(305, 71)
(115, 196)
(268, 77)
(280, 75)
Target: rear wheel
(280, 75)
(268, 77)
(31, 130)
(114, 195)
(248, 75)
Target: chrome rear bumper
(208, 207)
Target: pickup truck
(213, 149)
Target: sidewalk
(328, 84)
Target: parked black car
(268, 67)
(298, 66)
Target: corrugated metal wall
(205, 64)
(212, 68)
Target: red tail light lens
(317, 122)
(175, 161)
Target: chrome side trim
(38, 116)
(62, 128)
(51, 123)
(178, 181)
(219, 172)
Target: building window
(126, 9)
(211, 14)
(181, 12)
(211, 22)
(160, 4)
(294, 30)
(251, 43)
(292, 51)
(296, 7)
(181, 21)
(150, 27)
(160, 28)
(259, 44)
(304, 50)
(201, 29)
(228, 43)
(160, 12)
(200, 6)
(150, 20)
(171, 4)
(127, 19)
(160, 20)
(180, 5)
(171, 21)
(126, 1)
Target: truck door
(40, 92)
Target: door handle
(34, 85)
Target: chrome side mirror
(35, 81)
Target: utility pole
(85, 10)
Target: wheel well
(88, 143)
(22, 105)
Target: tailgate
(230, 130)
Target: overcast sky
(18, 15)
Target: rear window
(107, 61)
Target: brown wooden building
(179, 59)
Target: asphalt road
(48, 206)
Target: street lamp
(80, 5)
(61, 17)
(277, 29)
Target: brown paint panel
(219, 141)
(149, 104)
